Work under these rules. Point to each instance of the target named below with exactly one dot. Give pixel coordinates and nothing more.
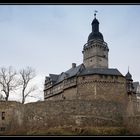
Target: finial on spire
(128, 68)
(95, 13)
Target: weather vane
(95, 13)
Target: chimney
(73, 65)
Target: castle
(93, 78)
(88, 95)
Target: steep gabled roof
(102, 71)
(74, 71)
(53, 77)
(81, 71)
(70, 73)
(61, 77)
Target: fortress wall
(48, 114)
(23, 119)
(131, 120)
(11, 117)
(132, 123)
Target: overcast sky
(51, 37)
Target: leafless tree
(8, 81)
(27, 75)
(1, 97)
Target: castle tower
(95, 51)
(129, 83)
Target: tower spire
(95, 24)
(128, 75)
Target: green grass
(84, 131)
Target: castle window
(68, 80)
(2, 129)
(65, 82)
(72, 80)
(54, 89)
(51, 91)
(105, 76)
(3, 116)
(116, 77)
(83, 78)
(48, 92)
(101, 76)
(63, 97)
(91, 60)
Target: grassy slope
(86, 131)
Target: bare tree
(1, 97)
(26, 75)
(8, 81)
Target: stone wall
(131, 119)
(102, 87)
(70, 93)
(132, 123)
(23, 119)
(19, 119)
(55, 97)
(11, 117)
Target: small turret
(129, 83)
(128, 76)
